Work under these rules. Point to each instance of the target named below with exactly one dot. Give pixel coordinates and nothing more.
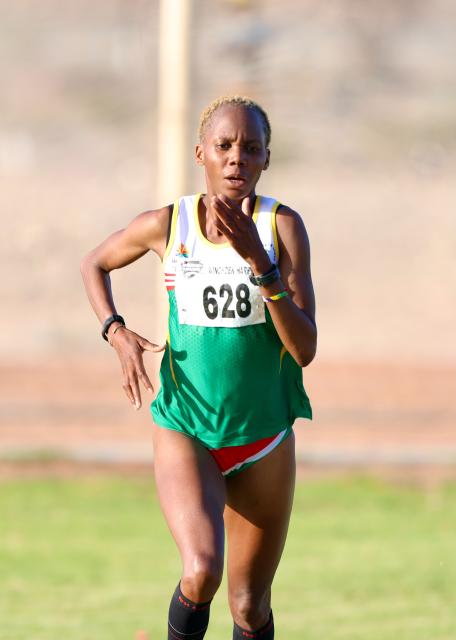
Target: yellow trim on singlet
(256, 209)
(171, 366)
(172, 235)
(201, 235)
(274, 227)
(283, 351)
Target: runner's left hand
(237, 225)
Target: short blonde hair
(236, 101)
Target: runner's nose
(237, 156)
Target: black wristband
(108, 322)
(263, 280)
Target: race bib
(221, 299)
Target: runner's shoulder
(151, 226)
(292, 234)
(289, 220)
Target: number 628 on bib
(218, 301)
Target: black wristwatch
(270, 276)
(108, 322)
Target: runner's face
(233, 152)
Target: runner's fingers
(133, 382)
(230, 205)
(228, 215)
(228, 222)
(236, 221)
(224, 228)
(222, 205)
(151, 346)
(142, 375)
(246, 206)
(239, 214)
(136, 392)
(133, 370)
(129, 393)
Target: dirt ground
(70, 417)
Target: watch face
(267, 278)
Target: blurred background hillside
(361, 97)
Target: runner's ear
(199, 154)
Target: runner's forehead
(236, 121)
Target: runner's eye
(223, 145)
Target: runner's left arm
(293, 316)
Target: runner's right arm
(147, 232)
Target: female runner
(241, 327)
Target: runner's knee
(250, 610)
(202, 577)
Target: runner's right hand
(130, 346)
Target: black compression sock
(187, 620)
(266, 632)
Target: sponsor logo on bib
(191, 267)
(182, 251)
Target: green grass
(93, 560)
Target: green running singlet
(226, 379)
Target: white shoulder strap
(182, 228)
(266, 225)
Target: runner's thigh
(191, 491)
(257, 514)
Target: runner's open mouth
(236, 179)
